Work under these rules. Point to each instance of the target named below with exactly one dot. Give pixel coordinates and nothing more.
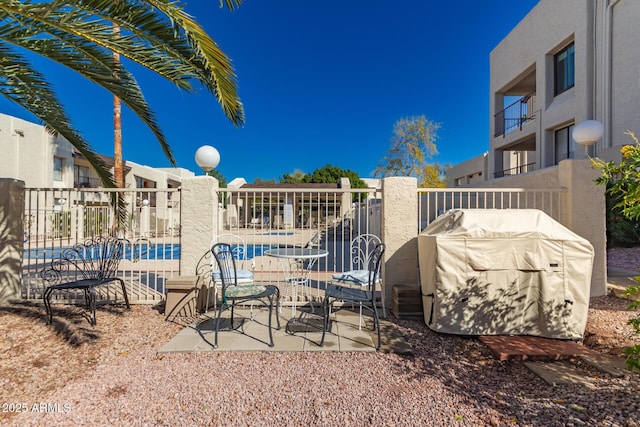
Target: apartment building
(566, 62)
(42, 160)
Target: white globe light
(207, 157)
(588, 132)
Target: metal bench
(84, 267)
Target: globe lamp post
(587, 133)
(207, 158)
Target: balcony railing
(515, 115)
(515, 171)
(86, 182)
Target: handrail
(515, 115)
(515, 170)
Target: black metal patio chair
(365, 295)
(234, 293)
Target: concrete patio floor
(304, 333)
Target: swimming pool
(141, 251)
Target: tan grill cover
(504, 272)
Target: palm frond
(156, 34)
(23, 85)
(96, 65)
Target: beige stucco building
(567, 61)
(33, 155)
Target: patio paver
(344, 335)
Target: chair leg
(220, 308)
(124, 293)
(270, 312)
(92, 296)
(46, 297)
(294, 298)
(278, 306)
(326, 307)
(376, 324)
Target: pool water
(136, 252)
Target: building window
(57, 168)
(564, 68)
(565, 145)
(81, 176)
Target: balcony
(86, 182)
(515, 171)
(515, 115)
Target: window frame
(58, 173)
(569, 144)
(568, 62)
(81, 175)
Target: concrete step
(557, 373)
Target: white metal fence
(264, 218)
(433, 202)
(274, 218)
(59, 218)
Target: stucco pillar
(399, 233)
(199, 220)
(12, 231)
(585, 214)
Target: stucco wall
(199, 220)
(28, 151)
(625, 72)
(399, 233)
(527, 47)
(468, 172)
(11, 229)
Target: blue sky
(321, 82)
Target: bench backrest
(96, 258)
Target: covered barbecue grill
(504, 272)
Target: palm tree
(157, 34)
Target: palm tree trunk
(118, 173)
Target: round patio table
(299, 277)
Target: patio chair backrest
(374, 266)
(96, 258)
(238, 248)
(362, 248)
(225, 259)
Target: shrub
(623, 185)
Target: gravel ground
(111, 375)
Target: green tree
(222, 181)
(259, 181)
(412, 145)
(296, 177)
(156, 34)
(433, 176)
(332, 174)
(622, 181)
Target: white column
(199, 220)
(399, 233)
(12, 220)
